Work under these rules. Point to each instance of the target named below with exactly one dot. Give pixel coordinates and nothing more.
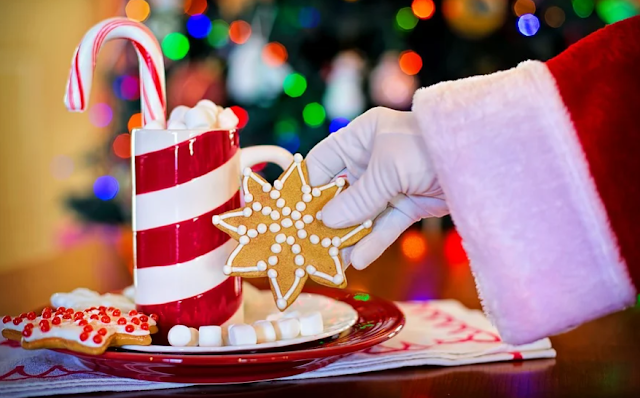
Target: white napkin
(436, 333)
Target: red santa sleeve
(540, 168)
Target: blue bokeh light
(199, 26)
(289, 141)
(106, 187)
(338, 123)
(528, 24)
(309, 17)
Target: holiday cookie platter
(352, 322)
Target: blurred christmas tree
(297, 70)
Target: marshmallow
(227, 119)
(210, 105)
(265, 332)
(182, 336)
(177, 114)
(210, 336)
(287, 328)
(291, 314)
(199, 117)
(274, 317)
(176, 125)
(311, 324)
(242, 334)
(154, 125)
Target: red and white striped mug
(181, 178)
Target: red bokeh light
(122, 146)
(423, 9)
(193, 7)
(239, 31)
(243, 116)
(274, 54)
(410, 62)
(453, 250)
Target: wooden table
(599, 359)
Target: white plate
(336, 316)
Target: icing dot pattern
(282, 236)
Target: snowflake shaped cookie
(281, 235)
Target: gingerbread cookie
(281, 235)
(90, 331)
(85, 298)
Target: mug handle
(253, 155)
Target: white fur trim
(519, 189)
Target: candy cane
(152, 83)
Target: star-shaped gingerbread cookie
(281, 234)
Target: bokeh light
(199, 26)
(338, 123)
(554, 16)
(309, 17)
(127, 87)
(122, 146)
(413, 245)
(522, 7)
(274, 54)
(612, 11)
(243, 115)
(583, 8)
(138, 10)
(175, 46)
(61, 167)
(289, 141)
(452, 248)
(287, 134)
(423, 9)
(100, 115)
(239, 31)
(286, 125)
(193, 7)
(219, 34)
(528, 24)
(314, 114)
(405, 19)
(410, 62)
(106, 187)
(294, 85)
(135, 121)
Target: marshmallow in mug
(205, 115)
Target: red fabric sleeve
(599, 81)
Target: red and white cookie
(89, 331)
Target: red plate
(378, 320)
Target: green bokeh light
(361, 297)
(583, 8)
(405, 19)
(219, 35)
(175, 46)
(286, 126)
(294, 85)
(313, 114)
(611, 11)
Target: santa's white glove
(384, 152)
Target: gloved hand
(384, 152)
